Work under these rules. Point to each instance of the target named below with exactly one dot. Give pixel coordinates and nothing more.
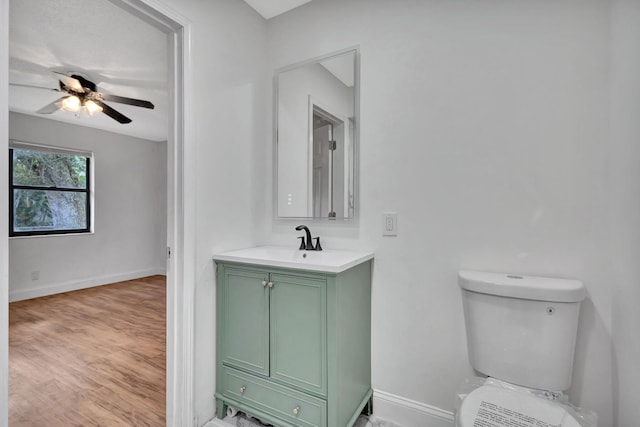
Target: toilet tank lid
(524, 287)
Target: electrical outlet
(35, 275)
(389, 224)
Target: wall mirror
(316, 107)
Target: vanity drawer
(292, 406)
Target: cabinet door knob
(270, 284)
(242, 389)
(296, 410)
(264, 283)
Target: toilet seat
(491, 406)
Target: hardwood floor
(94, 357)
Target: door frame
(180, 210)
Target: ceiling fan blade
(87, 85)
(115, 115)
(33, 87)
(51, 108)
(129, 101)
(70, 82)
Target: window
(49, 191)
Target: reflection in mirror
(331, 147)
(316, 106)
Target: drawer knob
(264, 283)
(242, 389)
(296, 410)
(270, 284)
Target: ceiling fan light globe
(92, 108)
(71, 103)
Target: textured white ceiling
(116, 50)
(270, 8)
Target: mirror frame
(356, 135)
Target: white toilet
(521, 333)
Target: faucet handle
(302, 244)
(318, 247)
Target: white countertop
(328, 261)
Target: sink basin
(328, 261)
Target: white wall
(484, 125)
(130, 214)
(625, 208)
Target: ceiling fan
(82, 94)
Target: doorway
(179, 237)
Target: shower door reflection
(331, 147)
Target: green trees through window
(50, 192)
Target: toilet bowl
(497, 404)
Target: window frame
(87, 190)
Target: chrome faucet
(308, 244)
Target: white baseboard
(74, 285)
(409, 413)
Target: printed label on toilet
(492, 415)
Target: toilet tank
(522, 329)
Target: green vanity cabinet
(294, 345)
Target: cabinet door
(299, 332)
(245, 334)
